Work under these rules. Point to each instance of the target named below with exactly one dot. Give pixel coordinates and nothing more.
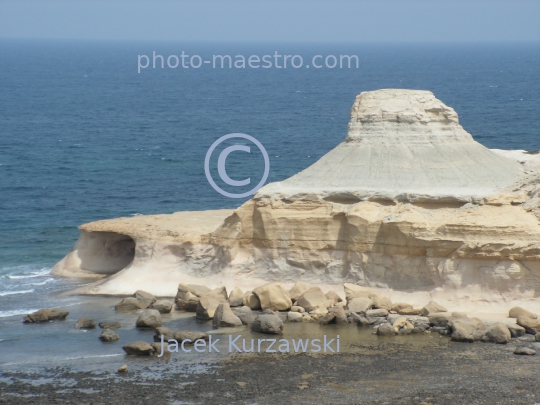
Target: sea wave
(42, 283)
(15, 312)
(33, 274)
(4, 293)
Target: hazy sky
(274, 20)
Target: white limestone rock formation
(407, 203)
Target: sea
(86, 134)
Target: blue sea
(84, 136)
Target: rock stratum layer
(408, 202)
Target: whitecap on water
(4, 293)
(39, 273)
(15, 312)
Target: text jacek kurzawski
(238, 344)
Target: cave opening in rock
(106, 252)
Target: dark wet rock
(527, 338)
(516, 330)
(138, 348)
(85, 323)
(525, 351)
(110, 325)
(246, 315)
(157, 348)
(335, 315)
(108, 335)
(386, 329)
(267, 323)
(149, 318)
(44, 315)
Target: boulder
(145, 299)
(497, 333)
(163, 306)
(187, 297)
(440, 319)
(355, 291)
(399, 323)
(409, 311)
(531, 325)
(380, 301)
(537, 337)
(44, 315)
(399, 306)
(156, 346)
(359, 320)
(296, 308)
(273, 296)
(360, 304)
(191, 335)
(386, 329)
(467, 329)
(166, 332)
(251, 300)
(311, 298)
(294, 317)
(516, 330)
(517, 311)
(220, 293)
(236, 297)
(298, 289)
(372, 313)
(149, 318)
(85, 323)
(108, 335)
(207, 307)
(110, 325)
(130, 304)
(267, 323)
(225, 317)
(335, 315)
(123, 369)
(138, 348)
(332, 295)
(246, 315)
(197, 290)
(432, 308)
(525, 351)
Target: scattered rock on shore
(526, 351)
(246, 315)
(467, 329)
(251, 300)
(163, 306)
(44, 315)
(123, 369)
(138, 348)
(497, 333)
(108, 335)
(297, 290)
(359, 304)
(224, 317)
(191, 335)
(149, 318)
(206, 307)
(145, 298)
(166, 332)
(515, 312)
(85, 323)
(273, 296)
(267, 323)
(531, 325)
(386, 329)
(110, 325)
(236, 297)
(432, 308)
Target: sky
(274, 20)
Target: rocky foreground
(269, 307)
